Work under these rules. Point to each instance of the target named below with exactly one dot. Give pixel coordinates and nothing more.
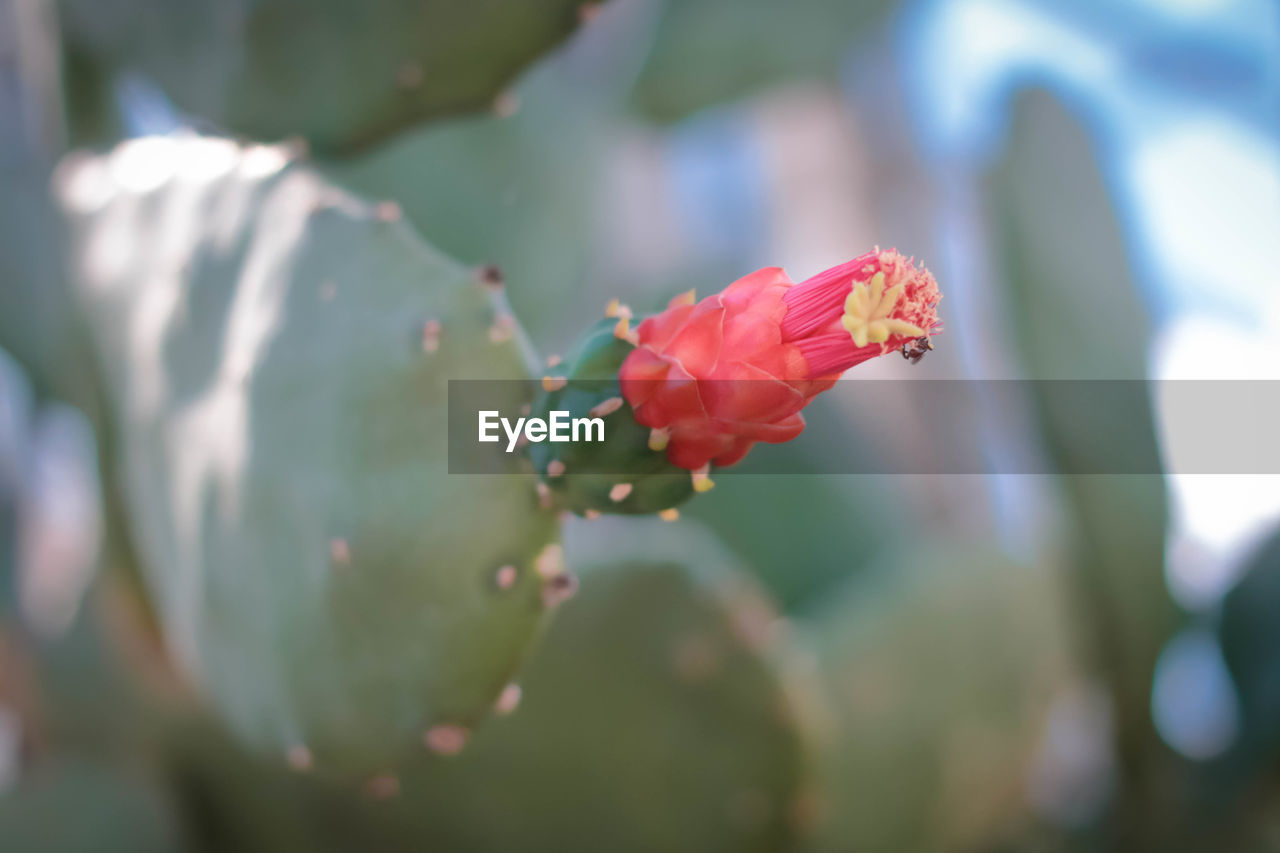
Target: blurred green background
(805, 661)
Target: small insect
(915, 350)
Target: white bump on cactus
(508, 699)
(446, 739)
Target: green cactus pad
(582, 476)
(1250, 639)
(939, 668)
(15, 409)
(652, 716)
(697, 61)
(70, 806)
(277, 353)
(342, 75)
(658, 713)
(1078, 315)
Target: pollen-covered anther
(672, 514)
(614, 308)
(553, 383)
(508, 699)
(446, 739)
(555, 468)
(867, 309)
(606, 407)
(702, 481)
(619, 493)
(658, 438)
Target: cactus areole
(714, 377)
(705, 380)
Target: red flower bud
(714, 377)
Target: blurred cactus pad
(276, 355)
(659, 712)
(341, 75)
(653, 718)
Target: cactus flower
(710, 378)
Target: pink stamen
(819, 300)
(833, 353)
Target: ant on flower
(915, 350)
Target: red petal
(749, 394)
(749, 288)
(697, 345)
(641, 375)
(774, 432)
(674, 399)
(694, 448)
(734, 455)
(658, 330)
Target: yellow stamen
(658, 438)
(888, 302)
(877, 289)
(902, 327)
(867, 309)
